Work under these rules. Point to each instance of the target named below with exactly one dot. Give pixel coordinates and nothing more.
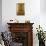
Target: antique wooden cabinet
(22, 33)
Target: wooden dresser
(22, 33)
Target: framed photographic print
(20, 10)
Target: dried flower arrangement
(41, 36)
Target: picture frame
(20, 9)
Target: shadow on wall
(43, 6)
(0, 15)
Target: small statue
(27, 21)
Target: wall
(43, 14)
(34, 11)
(9, 11)
(0, 15)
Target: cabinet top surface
(19, 23)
